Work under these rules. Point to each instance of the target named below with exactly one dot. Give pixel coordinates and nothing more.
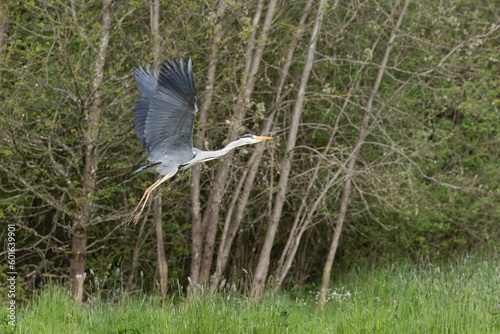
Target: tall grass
(457, 297)
(461, 296)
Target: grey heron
(164, 117)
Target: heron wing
(146, 85)
(168, 121)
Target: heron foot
(142, 203)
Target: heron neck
(232, 145)
(209, 155)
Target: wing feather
(165, 116)
(146, 85)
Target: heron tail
(146, 167)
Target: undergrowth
(461, 296)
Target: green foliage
(5, 285)
(441, 129)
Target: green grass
(402, 298)
(458, 297)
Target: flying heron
(164, 117)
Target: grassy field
(456, 297)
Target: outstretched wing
(146, 85)
(164, 119)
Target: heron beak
(263, 138)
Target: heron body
(164, 119)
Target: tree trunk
(157, 203)
(79, 240)
(4, 24)
(230, 230)
(351, 165)
(303, 222)
(211, 216)
(77, 263)
(294, 237)
(155, 30)
(197, 231)
(265, 254)
(160, 246)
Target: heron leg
(142, 203)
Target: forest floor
(458, 296)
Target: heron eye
(247, 136)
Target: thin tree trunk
(157, 203)
(211, 217)
(230, 230)
(294, 240)
(219, 184)
(79, 240)
(160, 246)
(4, 24)
(155, 30)
(294, 237)
(351, 165)
(265, 254)
(301, 225)
(197, 230)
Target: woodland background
(385, 118)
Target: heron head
(250, 139)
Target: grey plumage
(146, 85)
(165, 112)
(151, 165)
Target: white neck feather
(210, 155)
